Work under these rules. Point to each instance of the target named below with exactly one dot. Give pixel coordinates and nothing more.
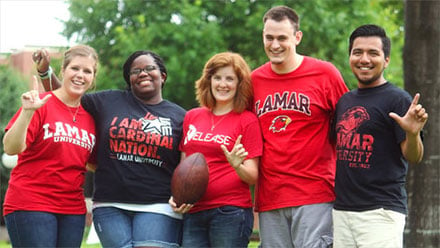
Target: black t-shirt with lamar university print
(371, 169)
(137, 147)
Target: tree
(173, 29)
(421, 69)
(187, 32)
(12, 86)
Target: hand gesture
(183, 208)
(414, 119)
(237, 155)
(42, 60)
(31, 100)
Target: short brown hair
(243, 96)
(280, 13)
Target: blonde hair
(83, 51)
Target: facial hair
(370, 80)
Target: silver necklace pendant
(213, 125)
(73, 115)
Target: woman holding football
(228, 134)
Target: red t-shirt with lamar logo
(203, 132)
(50, 173)
(295, 109)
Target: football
(190, 179)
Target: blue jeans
(123, 228)
(43, 229)
(226, 226)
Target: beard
(369, 81)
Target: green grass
(4, 244)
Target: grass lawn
(4, 244)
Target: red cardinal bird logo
(352, 119)
(280, 123)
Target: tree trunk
(422, 74)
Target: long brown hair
(244, 93)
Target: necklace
(73, 115)
(213, 125)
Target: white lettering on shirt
(70, 134)
(193, 134)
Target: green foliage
(327, 29)
(184, 46)
(12, 86)
(187, 32)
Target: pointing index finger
(416, 99)
(238, 141)
(34, 83)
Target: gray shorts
(308, 226)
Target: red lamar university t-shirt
(295, 110)
(50, 173)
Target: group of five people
(288, 126)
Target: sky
(32, 23)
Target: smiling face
(280, 41)
(224, 86)
(146, 79)
(78, 76)
(367, 61)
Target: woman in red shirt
(54, 138)
(228, 134)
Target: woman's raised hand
(31, 100)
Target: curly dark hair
(127, 65)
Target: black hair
(127, 65)
(369, 30)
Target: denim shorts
(44, 229)
(124, 228)
(226, 226)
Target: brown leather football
(190, 179)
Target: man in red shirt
(294, 99)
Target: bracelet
(45, 75)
